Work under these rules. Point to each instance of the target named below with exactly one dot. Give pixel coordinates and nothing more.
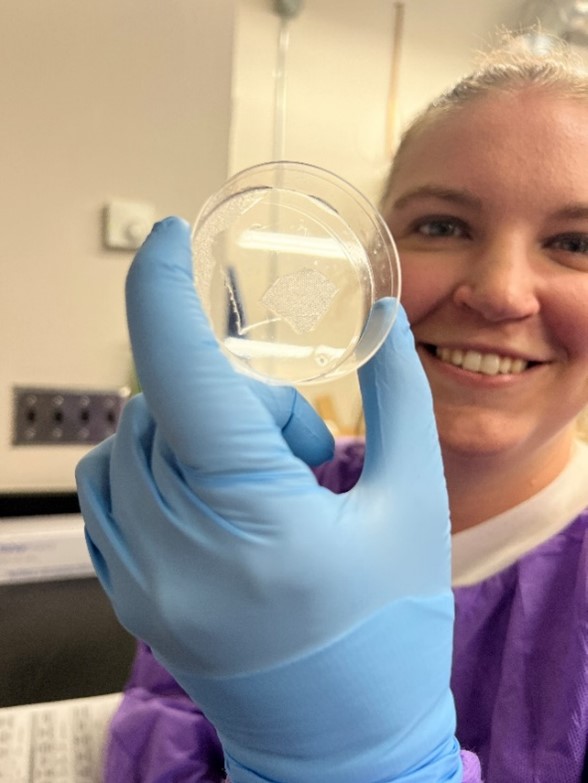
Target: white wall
(338, 75)
(338, 78)
(152, 101)
(115, 98)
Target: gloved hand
(314, 629)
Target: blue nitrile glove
(314, 629)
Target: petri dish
(290, 263)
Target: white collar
(487, 548)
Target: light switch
(127, 224)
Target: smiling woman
(494, 252)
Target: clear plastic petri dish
(290, 264)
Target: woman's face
(489, 209)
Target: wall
(157, 102)
(338, 75)
(337, 86)
(99, 100)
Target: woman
(489, 212)
(488, 202)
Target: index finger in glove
(207, 412)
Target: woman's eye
(440, 227)
(571, 243)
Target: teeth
(490, 364)
(472, 361)
(485, 363)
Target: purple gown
(520, 675)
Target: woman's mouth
(480, 362)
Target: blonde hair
(508, 68)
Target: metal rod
(392, 105)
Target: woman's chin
(484, 435)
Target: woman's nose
(499, 283)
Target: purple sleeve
(158, 733)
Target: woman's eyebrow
(575, 210)
(451, 195)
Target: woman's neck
(482, 486)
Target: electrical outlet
(64, 416)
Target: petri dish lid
(290, 260)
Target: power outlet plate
(56, 417)
(126, 224)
